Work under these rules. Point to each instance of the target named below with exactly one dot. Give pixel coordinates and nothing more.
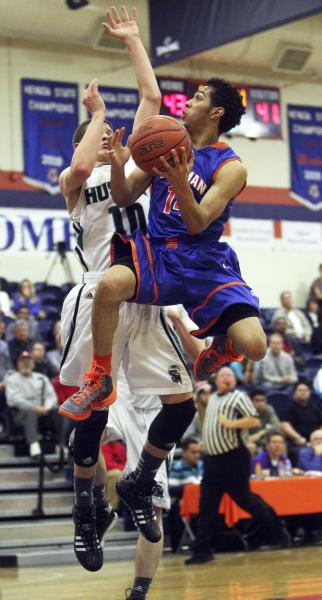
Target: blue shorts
(204, 277)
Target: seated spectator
(188, 469)
(316, 287)
(38, 353)
(277, 370)
(316, 340)
(297, 323)
(5, 365)
(26, 296)
(2, 330)
(201, 396)
(23, 314)
(20, 342)
(52, 335)
(5, 305)
(268, 421)
(291, 344)
(34, 400)
(54, 356)
(300, 419)
(310, 458)
(273, 458)
(312, 312)
(115, 458)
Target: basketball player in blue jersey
(181, 259)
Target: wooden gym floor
(294, 574)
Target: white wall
(267, 161)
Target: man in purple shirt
(273, 458)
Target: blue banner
(50, 117)
(305, 143)
(121, 106)
(181, 29)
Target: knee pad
(170, 424)
(88, 437)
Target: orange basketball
(155, 137)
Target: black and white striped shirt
(233, 405)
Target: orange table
(294, 496)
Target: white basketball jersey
(96, 217)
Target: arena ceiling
(51, 22)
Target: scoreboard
(261, 120)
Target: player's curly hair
(80, 130)
(226, 95)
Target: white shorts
(131, 424)
(144, 342)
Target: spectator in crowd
(312, 312)
(316, 340)
(268, 421)
(273, 459)
(5, 365)
(21, 340)
(23, 314)
(277, 370)
(54, 356)
(5, 304)
(244, 372)
(188, 469)
(310, 458)
(114, 454)
(34, 400)
(26, 296)
(300, 419)
(2, 330)
(291, 344)
(4, 286)
(38, 353)
(52, 335)
(297, 323)
(227, 466)
(316, 287)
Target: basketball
(155, 137)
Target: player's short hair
(80, 130)
(226, 95)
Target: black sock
(83, 489)
(100, 495)
(140, 588)
(148, 466)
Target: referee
(227, 466)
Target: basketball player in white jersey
(145, 344)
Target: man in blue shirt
(189, 469)
(310, 458)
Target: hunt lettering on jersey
(197, 183)
(98, 193)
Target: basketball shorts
(203, 276)
(144, 343)
(131, 424)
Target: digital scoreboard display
(261, 120)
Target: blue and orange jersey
(164, 216)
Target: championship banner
(305, 143)
(50, 117)
(121, 106)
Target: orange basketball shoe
(98, 393)
(212, 358)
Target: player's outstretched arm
(85, 155)
(122, 26)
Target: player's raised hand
(92, 99)
(118, 153)
(176, 169)
(119, 25)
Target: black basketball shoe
(106, 519)
(138, 498)
(87, 547)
